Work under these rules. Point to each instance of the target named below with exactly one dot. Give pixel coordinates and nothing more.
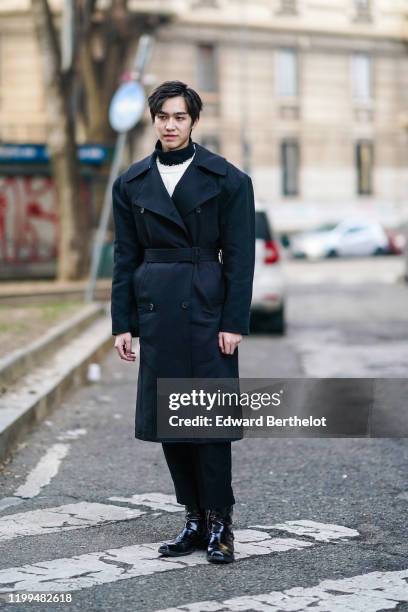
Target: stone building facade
(310, 97)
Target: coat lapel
(197, 185)
(154, 196)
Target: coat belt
(193, 254)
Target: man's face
(173, 124)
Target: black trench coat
(177, 309)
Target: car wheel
(332, 253)
(269, 323)
(379, 251)
(278, 322)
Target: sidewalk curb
(21, 410)
(50, 291)
(20, 362)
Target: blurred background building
(309, 97)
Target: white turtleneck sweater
(172, 174)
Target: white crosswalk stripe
(82, 514)
(367, 593)
(87, 570)
(45, 470)
(62, 518)
(370, 592)
(156, 501)
(322, 532)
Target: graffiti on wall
(28, 219)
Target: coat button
(184, 304)
(142, 210)
(151, 306)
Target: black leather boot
(221, 545)
(193, 535)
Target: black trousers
(201, 473)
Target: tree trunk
(74, 239)
(99, 84)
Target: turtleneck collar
(170, 158)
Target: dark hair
(171, 89)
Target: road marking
(85, 514)
(322, 532)
(33, 523)
(93, 569)
(39, 477)
(365, 593)
(72, 434)
(62, 518)
(156, 501)
(6, 502)
(44, 471)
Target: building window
(362, 77)
(287, 73)
(290, 167)
(207, 76)
(362, 10)
(364, 167)
(206, 4)
(287, 7)
(211, 142)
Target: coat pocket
(220, 296)
(138, 278)
(212, 284)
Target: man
(174, 211)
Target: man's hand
(228, 342)
(123, 345)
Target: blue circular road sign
(127, 106)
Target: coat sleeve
(237, 228)
(127, 255)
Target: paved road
(320, 523)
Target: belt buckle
(195, 254)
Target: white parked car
(268, 303)
(351, 237)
